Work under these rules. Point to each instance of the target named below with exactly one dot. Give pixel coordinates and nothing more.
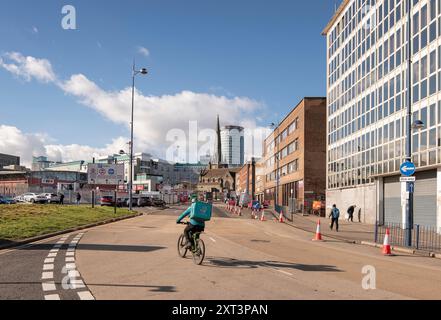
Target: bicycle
(197, 246)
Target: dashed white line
(70, 259)
(85, 295)
(70, 254)
(52, 255)
(212, 239)
(49, 286)
(70, 266)
(52, 297)
(49, 260)
(73, 274)
(47, 275)
(47, 267)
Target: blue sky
(269, 51)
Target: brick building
(299, 142)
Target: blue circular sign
(408, 169)
(111, 172)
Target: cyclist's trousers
(192, 229)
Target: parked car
(159, 202)
(7, 200)
(19, 199)
(126, 202)
(52, 197)
(34, 198)
(107, 201)
(144, 202)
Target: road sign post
(408, 170)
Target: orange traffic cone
(281, 220)
(318, 234)
(387, 251)
(262, 218)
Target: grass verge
(19, 222)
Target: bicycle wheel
(199, 253)
(182, 250)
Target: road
(246, 259)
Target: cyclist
(194, 225)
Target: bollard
(417, 237)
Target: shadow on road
(234, 263)
(99, 247)
(153, 288)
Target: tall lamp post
(274, 126)
(415, 125)
(135, 72)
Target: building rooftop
(337, 14)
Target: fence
(423, 237)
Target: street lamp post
(273, 125)
(135, 72)
(411, 125)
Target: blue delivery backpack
(201, 211)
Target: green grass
(18, 222)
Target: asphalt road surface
(246, 259)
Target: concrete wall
(363, 197)
(438, 213)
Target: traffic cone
(318, 234)
(387, 251)
(262, 218)
(281, 220)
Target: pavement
(137, 259)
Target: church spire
(219, 142)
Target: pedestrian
(78, 199)
(61, 199)
(351, 211)
(335, 215)
(359, 215)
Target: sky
(66, 94)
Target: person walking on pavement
(61, 199)
(335, 215)
(78, 199)
(351, 211)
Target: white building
(233, 146)
(367, 83)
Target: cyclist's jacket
(194, 222)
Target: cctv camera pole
(409, 200)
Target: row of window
(290, 168)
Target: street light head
(143, 71)
(418, 125)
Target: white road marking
(52, 255)
(52, 297)
(49, 286)
(70, 266)
(71, 250)
(85, 295)
(77, 284)
(54, 251)
(57, 246)
(70, 253)
(212, 239)
(47, 267)
(47, 275)
(49, 260)
(70, 259)
(73, 274)
(284, 272)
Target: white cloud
(28, 68)
(27, 145)
(155, 116)
(144, 51)
(35, 30)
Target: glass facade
(367, 85)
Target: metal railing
(423, 237)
